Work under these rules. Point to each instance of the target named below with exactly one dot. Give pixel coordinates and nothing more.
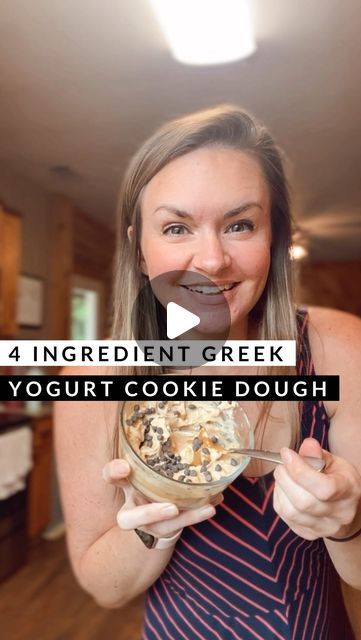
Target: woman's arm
(341, 334)
(328, 504)
(110, 563)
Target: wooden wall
(61, 269)
(81, 246)
(331, 284)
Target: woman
(207, 193)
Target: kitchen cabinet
(10, 253)
(40, 479)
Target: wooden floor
(42, 601)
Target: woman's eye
(241, 226)
(175, 230)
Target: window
(86, 308)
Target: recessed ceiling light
(202, 32)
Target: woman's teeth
(209, 290)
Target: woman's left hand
(317, 505)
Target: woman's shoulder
(335, 337)
(333, 323)
(335, 341)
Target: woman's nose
(211, 255)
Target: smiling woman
(205, 202)
(220, 228)
(202, 190)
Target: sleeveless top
(244, 574)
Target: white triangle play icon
(179, 320)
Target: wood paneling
(10, 254)
(81, 246)
(61, 270)
(331, 284)
(94, 246)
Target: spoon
(272, 456)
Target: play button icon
(179, 320)
(181, 307)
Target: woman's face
(207, 214)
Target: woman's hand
(313, 504)
(161, 519)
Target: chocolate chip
(161, 405)
(187, 472)
(159, 430)
(234, 462)
(218, 467)
(193, 472)
(181, 478)
(214, 439)
(204, 468)
(192, 406)
(196, 444)
(160, 438)
(206, 451)
(208, 477)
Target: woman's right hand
(161, 519)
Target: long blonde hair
(223, 126)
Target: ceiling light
(297, 252)
(206, 31)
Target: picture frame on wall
(30, 301)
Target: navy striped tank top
(243, 574)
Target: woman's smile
(209, 294)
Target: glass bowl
(158, 487)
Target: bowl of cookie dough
(178, 449)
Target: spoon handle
(272, 456)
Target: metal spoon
(272, 456)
